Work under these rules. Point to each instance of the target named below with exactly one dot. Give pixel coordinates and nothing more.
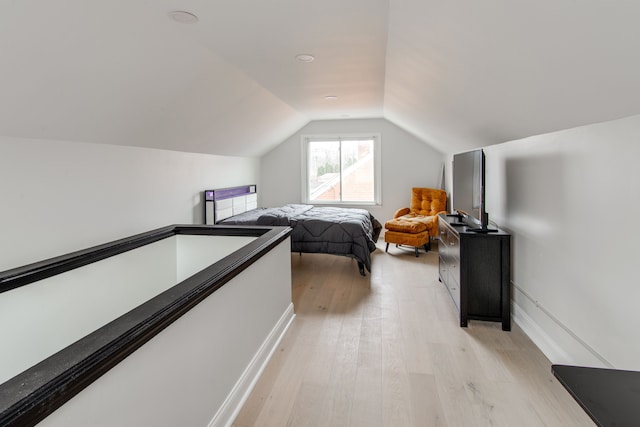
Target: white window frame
(377, 166)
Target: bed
(316, 229)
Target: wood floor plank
(342, 378)
(305, 410)
(396, 409)
(387, 350)
(425, 401)
(367, 400)
(451, 385)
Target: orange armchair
(415, 225)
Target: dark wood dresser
(476, 269)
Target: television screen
(468, 187)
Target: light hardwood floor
(386, 350)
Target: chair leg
(416, 252)
(387, 247)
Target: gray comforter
(338, 231)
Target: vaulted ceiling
(458, 74)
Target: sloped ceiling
(457, 74)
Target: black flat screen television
(469, 189)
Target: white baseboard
(556, 341)
(539, 337)
(236, 398)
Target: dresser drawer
(448, 237)
(454, 291)
(449, 250)
(454, 268)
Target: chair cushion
(409, 239)
(410, 223)
(428, 201)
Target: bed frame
(225, 202)
(221, 204)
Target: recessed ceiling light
(305, 57)
(330, 97)
(183, 17)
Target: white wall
(406, 162)
(58, 197)
(42, 318)
(200, 369)
(194, 253)
(571, 200)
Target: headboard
(225, 202)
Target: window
(341, 169)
